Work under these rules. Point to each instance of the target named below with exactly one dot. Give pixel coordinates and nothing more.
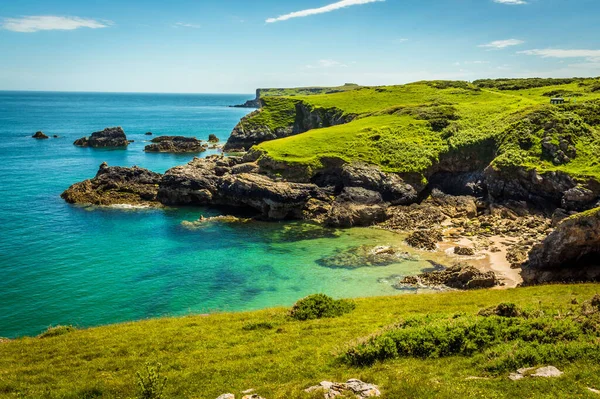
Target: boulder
(543, 372)
(213, 138)
(570, 253)
(464, 251)
(176, 145)
(227, 396)
(39, 136)
(424, 239)
(113, 137)
(116, 186)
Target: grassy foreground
(205, 356)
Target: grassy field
(409, 128)
(205, 356)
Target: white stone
(547, 372)
(227, 396)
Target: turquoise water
(63, 264)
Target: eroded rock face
(570, 253)
(550, 189)
(176, 145)
(116, 186)
(305, 117)
(108, 138)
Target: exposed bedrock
(108, 138)
(569, 253)
(247, 133)
(116, 186)
(545, 190)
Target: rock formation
(305, 117)
(112, 137)
(39, 135)
(116, 186)
(213, 138)
(459, 276)
(176, 145)
(569, 253)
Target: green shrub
(56, 331)
(263, 325)
(151, 385)
(506, 340)
(320, 306)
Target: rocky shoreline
(346, 195)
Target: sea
(62, 264)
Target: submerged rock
(111, 137)
(460, 276)
(40, 135)
(114, 186)
(425, 239)
(176, 144)
(365, 256)
(569, 253)
(203, 221)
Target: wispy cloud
(186, 25)
(500, 44)
(37, 23)
(327, 64)
(511, 2)
(321, 10)
(562, 53)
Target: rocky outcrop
(212, 138)
(570, 253)
(112, 137)
(176, 145)
(255, 103)
(116, 186)
(247, 133)
(365, 256)
(550, 189)
(462, 277)
(211, 181)
(40, 136)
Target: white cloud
(321, 10)
(562, 53)
(500, 44)
(185, 25)
(511, 2)
(328, 64)
(36, 23)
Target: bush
(320, 306)
(263, 325)
(56, 331)
(501, 338)
(152, 384)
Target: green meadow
(448, 350)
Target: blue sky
(235, 46)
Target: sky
(236, 46)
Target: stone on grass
(544, 372)
(227, 396)
(334, 389)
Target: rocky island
(111, 137)
(176, 145)
(477, 165)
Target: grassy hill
(411, 128)
(205, 356)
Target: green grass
(410, 128)
(205, 356)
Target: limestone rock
(108, 138)
(334, 389)
(227, 396)
(543, 372)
